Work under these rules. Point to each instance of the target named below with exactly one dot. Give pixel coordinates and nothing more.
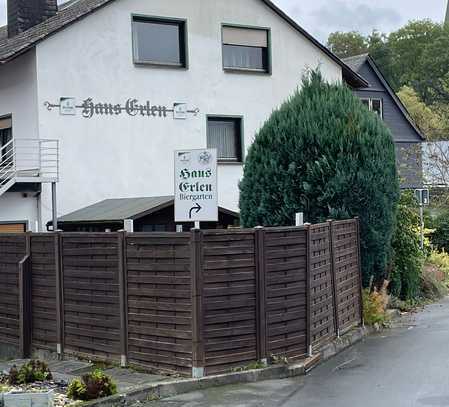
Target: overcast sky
(320, 17)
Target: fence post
(196, 269)
(123, 298)
(359, 262)
(308, 293)
(334, 279)
(25, 305)
(59, 295)
(261, 298)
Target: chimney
(24, 14)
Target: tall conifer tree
(323, 153)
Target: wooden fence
(195, 303)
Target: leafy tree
(440, 237)
(407, 46)
(407, 255)
(347, 44)
(415, 56)
(380, 51)
(323, 153)
(432, 80)
(428, 119)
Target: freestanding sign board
(196, 195)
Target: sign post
(423, 198)
(196, 195)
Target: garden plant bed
(38, 394)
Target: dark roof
(11, 48)
(117, 210)
(356, 63)
(74, 10)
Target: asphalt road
(402, 367)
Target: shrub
(432, 287)
(31, 372)
(441, 261)
(323, 153)
(440, 236)
(92, 386)
(407, 255)
(375, 305)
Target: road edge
(161, 390)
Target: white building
(103, 76)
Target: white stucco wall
(18, 94)
(19, 207)
(111, 157)
(18, 98)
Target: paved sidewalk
(67, 370)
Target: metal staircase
(28, 161)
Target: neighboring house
(100, 80)
(380, 98)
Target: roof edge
(396, 98)
(351, 77)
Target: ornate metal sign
(132, 107)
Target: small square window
(225, 134)
(374, 105)
(366, 102)
(159, 41)
(246, 49)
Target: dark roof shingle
(10, 48)
(356, 62)
(117, 209)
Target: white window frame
(370, 105)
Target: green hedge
(323, 153)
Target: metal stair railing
(7, 166)
(28, 160)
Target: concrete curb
(162, 390)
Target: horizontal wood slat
(90, 280)
(286, 274)
(159, 301)
(175, 301)
(229, 277)
(12, 251)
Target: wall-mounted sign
(180, 111)
(67, 107)
(132, 107)
(196, 195)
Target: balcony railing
(28, 160)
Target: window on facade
(246, 49)
(5, 136)
(225, 134)
(374, 105)
(159, 41)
